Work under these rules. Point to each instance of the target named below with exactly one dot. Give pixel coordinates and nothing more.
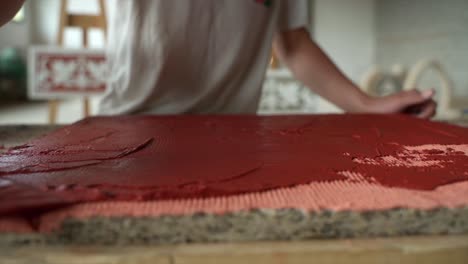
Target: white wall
(42, 22)
(409, 31)
(16, 34)
(47, 16)
(345, 29)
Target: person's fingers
(428, 110)
(415, 97)
(428, 94)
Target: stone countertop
(14, 135)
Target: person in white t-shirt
(210, 57)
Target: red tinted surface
(153, 158)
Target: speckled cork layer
(315, 197)
(314, 211)
(254, 225)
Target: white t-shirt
(193, 56)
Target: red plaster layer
(136, 159)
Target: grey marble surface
(16, 135)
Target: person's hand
(417, 103)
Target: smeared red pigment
(144, 159)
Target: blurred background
(382, 45)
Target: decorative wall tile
(285, 95)
(58, 73)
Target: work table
(441, 249)
(13, 135)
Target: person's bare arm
(311, 65)
(8, 10)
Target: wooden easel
(274, 62)
(85, 22)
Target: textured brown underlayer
(257, 225)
